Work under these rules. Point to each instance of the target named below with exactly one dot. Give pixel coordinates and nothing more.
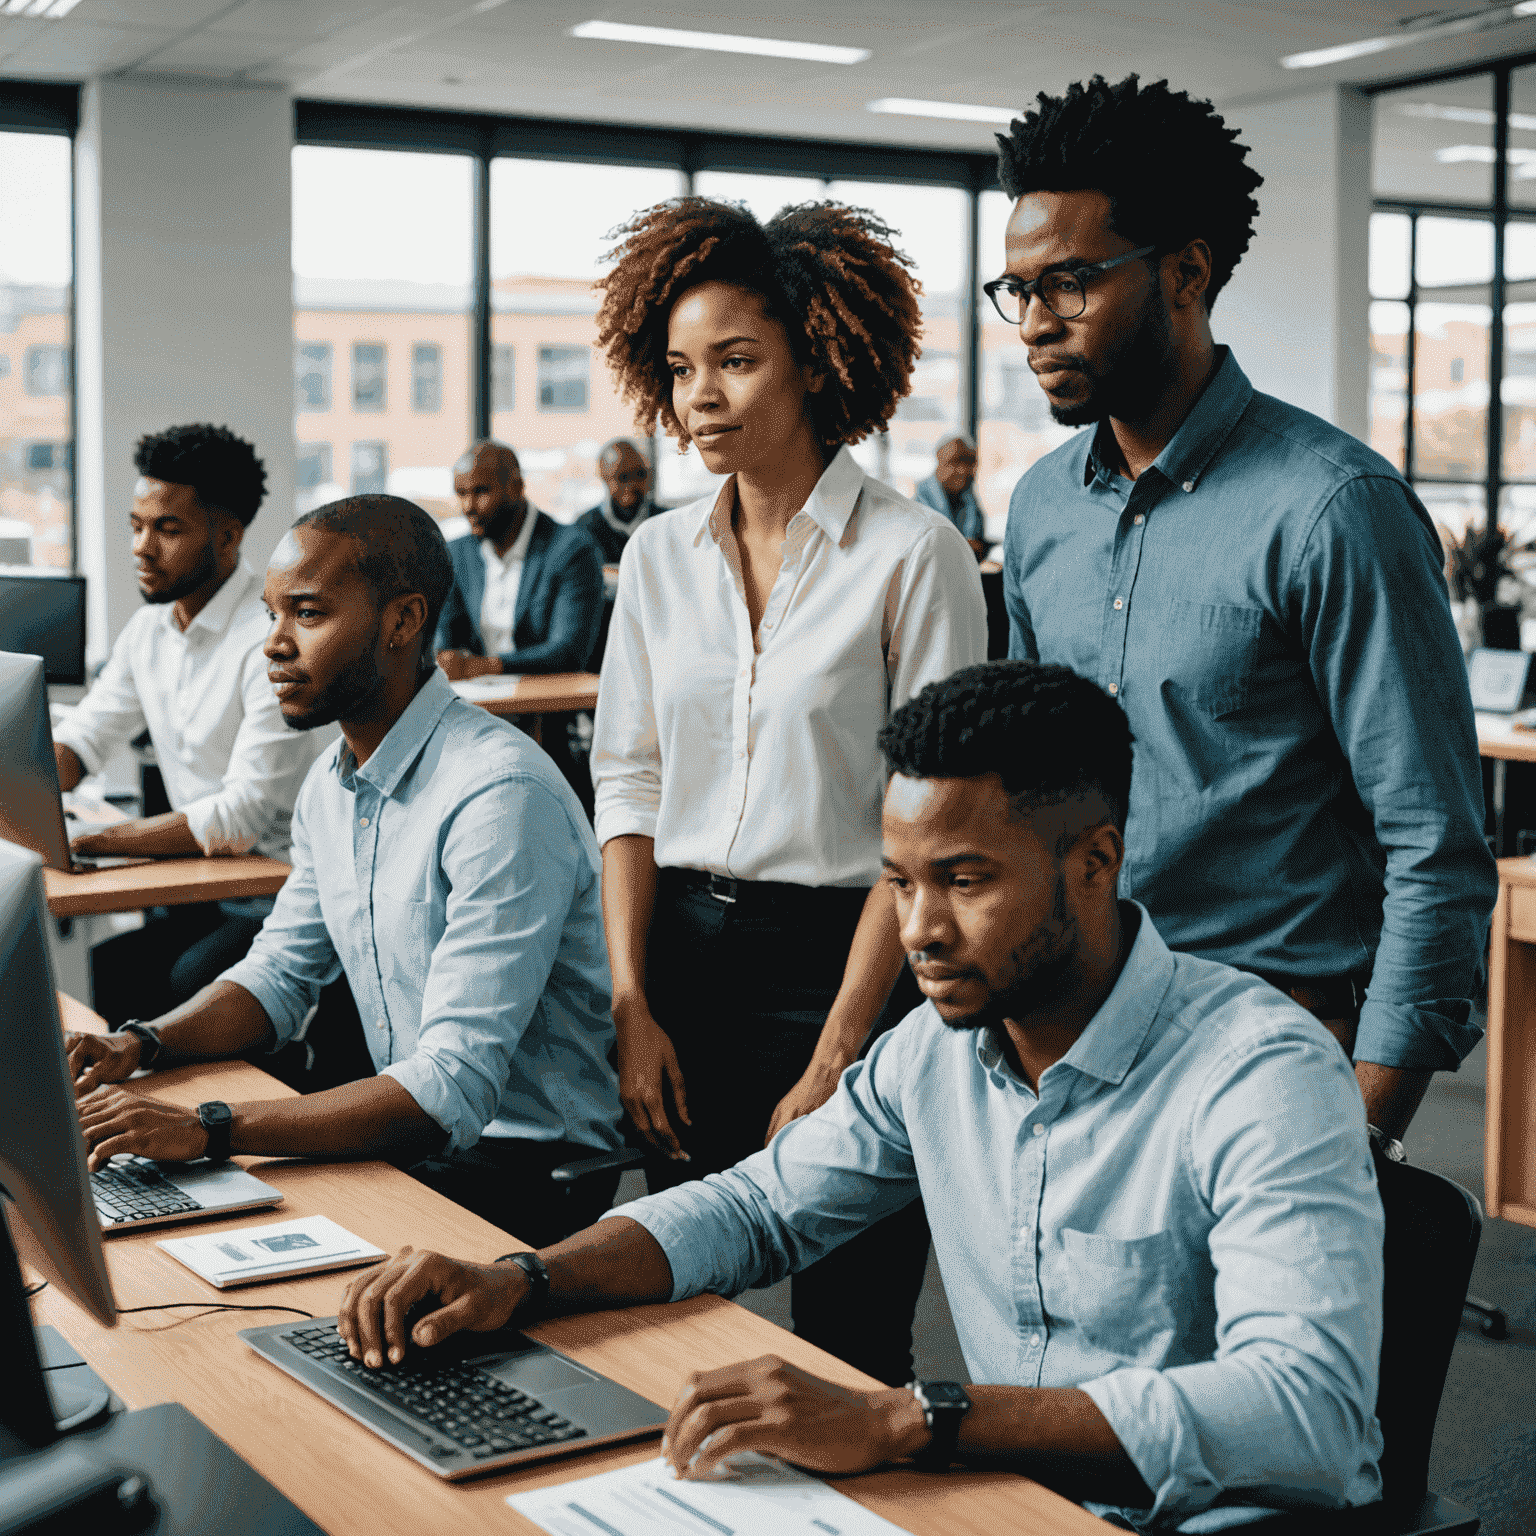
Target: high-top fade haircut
(844, 294)
(1050, 735)
(402, 550)
(223, 469)
(1170, 167)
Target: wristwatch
(538, 1280)
(944, 1405)
(150, 1044)
(218, 1120)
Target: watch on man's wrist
(944, 1404)
(218, 1120)
(538, 1281)
(150, 1043)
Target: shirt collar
(830, 504)
(1115, 1035)
(1208, 425)
(517, 551)
(617, 523)
(216, 614)
(401, 747)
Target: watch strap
(150, 1043)
(218, 1122)
(942, 1411)
(538, 1281)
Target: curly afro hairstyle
(223, 469)
(1170, 166)
(829, 274)
(1051, 735)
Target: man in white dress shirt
(188, 668)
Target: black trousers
(742, 990)
(506, 1181)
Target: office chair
(1433, 1227)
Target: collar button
(1189, 485)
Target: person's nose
(279, 642)
(1038, 324)
(924, 924)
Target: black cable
(216, 1306)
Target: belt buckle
(722, 888)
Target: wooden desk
(1499, 741)
(1510, 1123)
(162, 883)
(553, 693)
(351, 1482)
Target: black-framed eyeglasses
(1064, 291)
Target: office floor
(1485, 1441)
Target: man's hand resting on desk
(115, 1120)
(97, 1059)
(160, 837)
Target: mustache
(1047, 362)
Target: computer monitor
(31, 812)
(44, 615)
(48, 1212)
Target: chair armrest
(569, 1173)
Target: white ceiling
(514, 56)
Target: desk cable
(207, 1306)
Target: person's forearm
(613, 1263)
(1392, 1095)
(71, 769)
(372, 1118)
(222, 1020)
(158, 836)
(629, 899)
(875, 959)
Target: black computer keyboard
(467, 1405)
(137, 1191)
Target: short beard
(1135, 376)
(207, 569)
(350, 695)
(1045, 970)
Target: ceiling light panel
(718, 42)
(1422, 30)
(907, 106)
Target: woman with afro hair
(760, 640)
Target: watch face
(215, 1114)
(945, 1394)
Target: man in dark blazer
(626, 478)
(528, 591)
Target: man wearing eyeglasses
(1261, 592)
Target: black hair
(403, 550)
(1050, 735)
(1169, 165)
(221, 468)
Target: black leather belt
(1325, 997)
(764, 892)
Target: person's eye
(310, 613)
(1063, 283)
(896, 882)
(679, 370)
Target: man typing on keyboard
(443, 863)
(1148, 1175)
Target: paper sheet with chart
(762, 1498)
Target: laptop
(479, 1402)
(133, 1192)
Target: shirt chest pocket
(1125, 1292)
(403, 941)
(1211, 657)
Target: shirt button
(362, 821)
(1034, 1341)
(1114, 688)
(1039, 1129)
(1119, 604)
(1139, 518)
(1189, 485)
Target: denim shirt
(1267, 603)
(1183, 1222)
(454, 878)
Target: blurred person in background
(527, 591)
(951, 489)
(626, 503)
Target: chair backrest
(1432, 1230)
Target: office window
(36, 321)
(764, 195)
(564, 376)
(550, 225)
(426, 377)
(370, 468)
(315, 484)
(370, 375)
(503, 378)
(312, 376)
(382, 265)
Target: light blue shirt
(968, 518)
(1267, 603)
(1184, 1223)
(455, 879)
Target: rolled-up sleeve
(937, 617)
(821, 1181)
(293, 957)
(1388, 666)
(266, 769)
(510, 863)
(1285, 1413)
(626, 746)
(109, 716)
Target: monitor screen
(45, 616)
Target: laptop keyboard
(482, 1416)
(137, 1191)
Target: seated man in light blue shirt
(1148, 1176)
(441, 861)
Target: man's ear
(1102, 851)
(1190, 274)
(228, 532)
(405, 617)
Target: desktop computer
(158, 1469)
(44, 615)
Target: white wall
(184, 308)
(1297, 310)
